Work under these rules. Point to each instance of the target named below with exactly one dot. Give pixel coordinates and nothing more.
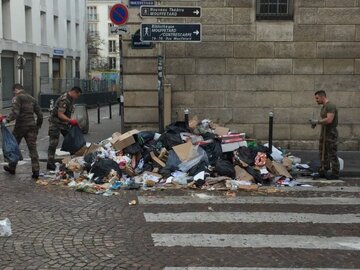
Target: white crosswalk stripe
(304, 240)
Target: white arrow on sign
(119, 30)
(196, 12)
(196, 32)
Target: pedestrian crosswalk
(315, 231)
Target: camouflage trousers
(30, 136)
(54, 136)
(329, 139)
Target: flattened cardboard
(119, 142)
(242, 174)
(221, 131)
(185, 151)
(157, 160)
(277, 168)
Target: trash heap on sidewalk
(198, 155)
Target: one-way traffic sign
(170, 32)
(170, 12)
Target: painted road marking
(252, 217)
(200, 198)
(256, 241)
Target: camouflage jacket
(63, 104)
(23, 108)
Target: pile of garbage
(199, 155)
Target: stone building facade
(248, 65)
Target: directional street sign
(170, 12)
(170, 32)
(138, 3)
(119, 30)
(119, 14)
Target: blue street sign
(119, 14)
(171, 32)
(138, 3)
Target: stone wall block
(342, 3)
(240, 32)
(180, 66)
(140, 65)
(175, 49)
(254, 82)
(177, 82)
(257, 115)
(349, 116)
(338, 66)
(210, 66)
(244, 15)
(280, 132)
(357, 34)
(241, 66)
(274, 66)
(239, 3)
(308, 66)
(304, 99)
(357, 66)
(210, 99)
(274, 31)
(306, 16)
(141, 115)
(294, 82)
(147, 82)
(250, 99)
(129, 52)
(140, 98)
(209, 82)
(311, 3)
(181, 98)
(304, 132)
(338, 49)
(338, 82)
(221, 116)
(213, 33)
(309, 32)
(254, 49)
(338, 15)
(295, 49)
(209, 49)
(340, 33)
(217, 16)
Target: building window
(92, 13)
(274, 9)
(110, 26)
(112, 46)
(93, 29)
(112, 62)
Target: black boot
(9, 170)
(51, 166)
(319, 175)
(35, 175)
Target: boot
(35, 175)
(319, 175)
(332, 177)
(9, 170)
(51, 166)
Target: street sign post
(119, 30)
(138, 3)
(170, 32)
(170, 12)
(119, 14)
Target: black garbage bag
(144, 136)
(10, 146)
(254, 173)
(170, 139)
(225, 168)
(172, 161)
(102, 167)
(201, 166)
(247, 155)
(213, 151)
(133, 149)
(73, 141)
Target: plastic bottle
(5, 227)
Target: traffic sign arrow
(170, 12)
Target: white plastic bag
(5, 227)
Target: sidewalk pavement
(107, 127)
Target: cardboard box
(242, 174)
(121, 141)
(228, 147)
(87, 149)
(185, 151)
(157, 160)
(221, 131)
(277, 168)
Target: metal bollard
(271, 122)
(98, 112)
(110, 112)
(186, 117)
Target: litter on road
(196, 155)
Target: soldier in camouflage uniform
(60, 119)
(328, 137)
(23, 108)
